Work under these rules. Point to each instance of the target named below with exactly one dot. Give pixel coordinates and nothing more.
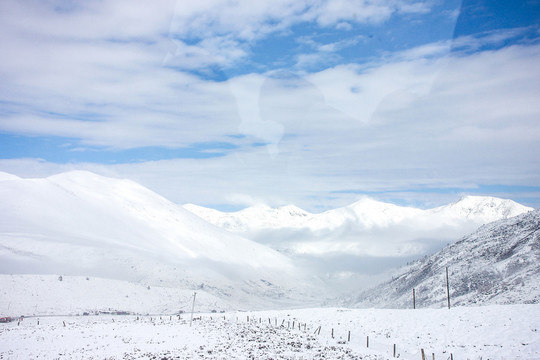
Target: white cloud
(420, 117)
(333, 12)
(119, 62)
(344, 26)
(248, 20)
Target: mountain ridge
(357, 227)
(367, 211)
(497, 264)
(80, 223)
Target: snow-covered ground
(490, 332)
(32, 295)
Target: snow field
(38, 295)
(129, 337)
(491, 332)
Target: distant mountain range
(80, 223)
(365, 228)
(497, 264)
(367, 213)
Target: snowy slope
(34, 295)
(497, 264)
(79, 223)
(6, 176)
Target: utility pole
(192, 308)
(447, 288)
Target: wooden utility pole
(447, 288)
(192, 308)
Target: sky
(316, 103)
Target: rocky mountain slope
(497, 264)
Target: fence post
(423, 355)
(413, 299)
(394, 350)
(367, 341)
(447, 288)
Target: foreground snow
(491, 332)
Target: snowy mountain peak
(6, 176)
(367, 227)
(86, 179)
(77, 175)
(293, 210)
(366, 212)
(367, 202)
(254, 217)
(482, 207)
(371, 206)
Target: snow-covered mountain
(252, 218)
(497, 264)
(351, 228)
(79, 223)
(365, 212)
(481, 208)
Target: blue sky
(314, 103)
